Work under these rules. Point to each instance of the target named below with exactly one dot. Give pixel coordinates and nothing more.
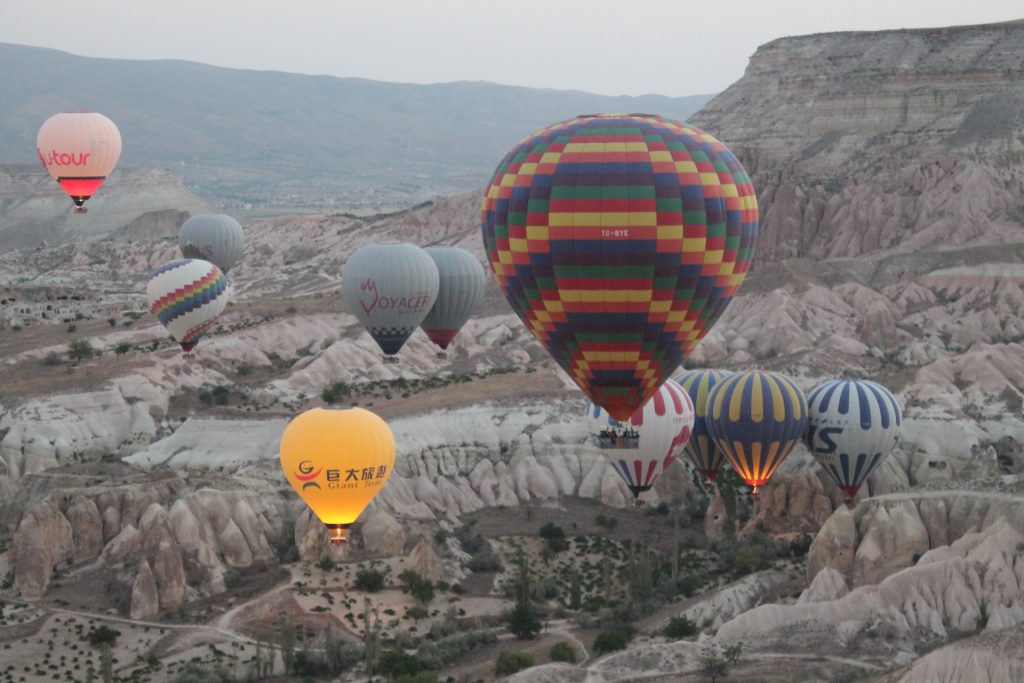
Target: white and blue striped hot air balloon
(854, 424)
(663, 425)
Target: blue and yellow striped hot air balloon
(700, 449)
(756, 418)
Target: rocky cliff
(865, 141)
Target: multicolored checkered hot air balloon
(756, 418)
(644, 446)
(701, 449)
(186, 296)
(854, 424)
(619, 240)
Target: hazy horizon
(598, 48)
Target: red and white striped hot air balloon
(643, 447)
(79, 151)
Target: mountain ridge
(265, 137)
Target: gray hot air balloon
(390, 287)
(214, 237)
(462, 286)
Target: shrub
(104, 635)
(111, 321)
(336, 392)
(80, 349)
(562, 651)
(511, 661)
(444, 651)
(122, 348)
(485, 561)
(72, 328)
(52, 359)
(421, 677)
(369, 580)
(394, 663)
(680, 627)
(606, 522)
(554, 537)
(421, 589)
(221, 395)
(613, 639)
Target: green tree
(80, 349)
(554, 537)
(422, 590)
(523, 621)
(575, 590)
(369, 580)
(613, 639)
(371, 636)
(680, 627)
(562, 651)
(395, 663)
(511, 661)
(106, 664)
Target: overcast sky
(627, 47)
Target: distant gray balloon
(390, 287)
(214, 237)
(462, 287)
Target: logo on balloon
(56, 158)
(401, 304)
(306, 475)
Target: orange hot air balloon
(337, 459)
(79, 151)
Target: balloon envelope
(214, 237)
(390, 288)
(854, 424)
(756, 418)
(701, 448)
(79, 151)
(337, 460)
(619, 240)
(186, 296)
(664, 425)
(461, 286)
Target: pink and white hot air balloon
(650, 441)
(79, 151)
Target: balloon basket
(390, 360)
(339, 534)
(441, 355)
(81, 209)
(755, 493)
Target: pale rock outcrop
(835, 545)
(86, 527)
(124, 545)
(382, 535)
(715, 518)
(145, 599)
(740, 596)
(828, 584)
(424, 561)
(891, 538)
(986, 658)
(43, 540)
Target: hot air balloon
(460, 290)
(186, 296)
(337, 459)
(701, 449)
(756, 418)
(619, 240)
(390, 288)
(854, 424)
(79, 151)
(214, 237)
(644, 446)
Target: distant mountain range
(267, 137)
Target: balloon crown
(619, 116)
